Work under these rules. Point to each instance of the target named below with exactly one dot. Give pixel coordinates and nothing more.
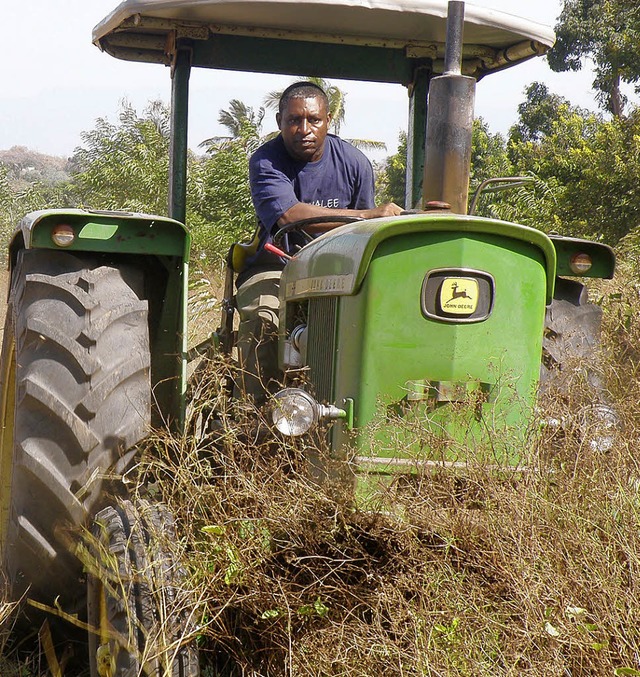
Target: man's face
(304, 124)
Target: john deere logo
(459, 295)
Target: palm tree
(244, 125)
(240, 118)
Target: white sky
(54, 83)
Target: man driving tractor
(303, 173)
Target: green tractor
(394, 331)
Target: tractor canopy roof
(377, 40)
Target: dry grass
(461, 573)
(472, 572)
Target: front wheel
(137, 606)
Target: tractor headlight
(295, 412)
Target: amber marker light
(63, 235)
(580, 263)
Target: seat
(239, 254)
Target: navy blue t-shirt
(341, 179)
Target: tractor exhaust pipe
(450, 123)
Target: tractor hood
(336, 263)
(403, 30)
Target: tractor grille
(321, 345)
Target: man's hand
(301, 211)
(387, 209)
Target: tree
(244, 124)
(126, 165)
(590, 169)
(537, 113)
(607, 31)
(225, 198)
(391, 176)
(488, 155)
(489, 160)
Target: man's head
(303, 119)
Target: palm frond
(367, 144)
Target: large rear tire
(571, 339)
(135, 598)
(76, 398)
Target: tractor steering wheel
(298, 226)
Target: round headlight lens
(580, 263)
(294, 412)
(63, 235)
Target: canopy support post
(416, 135)
(180, 72)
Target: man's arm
(302, 210)
(274, 198)
(361, 205)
